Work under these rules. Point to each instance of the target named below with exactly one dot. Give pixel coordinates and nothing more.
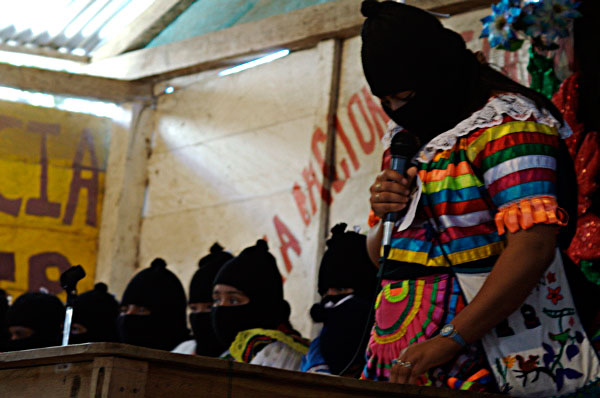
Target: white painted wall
(226, 153)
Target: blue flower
(549, 20)
(498, 27)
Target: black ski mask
(201, 285)
(41, 312)
(97, 311)
(344, 319)
(345, 264)
(319, 312)
(4, 335)
(438, 68)
(255, 273)
(159, 290)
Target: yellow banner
(52, 169)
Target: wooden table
(105, 370)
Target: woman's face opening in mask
(20, 332)
(133, 309)
(336, 291)
(228, 296)
(197, 308)
(398, 100)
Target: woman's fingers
(414, 374)
(392, 175)
(381, 209)
(394, 374)
(390, 186)
(391, 191)
(403, 374)
(390, 197)
(411, 173)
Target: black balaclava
(4, 334)
(41, 312)
(97, 310)
(406, 48)
(159, 290)
(345, 264)
(255, 273)
(201, 286)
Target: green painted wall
(205, 16)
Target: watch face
(447, 329)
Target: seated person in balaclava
(34, 321)
(347, 282)
(153, 309)
(250, 315)
(4, 334)
(94, 316)
(205, 341)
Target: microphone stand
(68, 281)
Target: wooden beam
(464, 6)
(44, 52)
(295, 30)
(64, 83)
(143, 28)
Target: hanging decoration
(543, 23)
(584, 147)
(543, 78)
(500, 27)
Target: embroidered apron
(541, 349)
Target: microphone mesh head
(405, 144)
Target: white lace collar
(492, 114)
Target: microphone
(68, 281)
(404, 146)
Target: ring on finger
(398, 361)
(377, 186)
(377, 195)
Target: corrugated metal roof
(68, 28)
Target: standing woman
(474, 293)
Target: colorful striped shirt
(494, 171)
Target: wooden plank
(295, 30)
(44, 52)
(69, 84)
(87, 352)
(57, 379)
(463, 6)
(144, 28)
(111, 370)
(113, 376)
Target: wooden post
(126, 183)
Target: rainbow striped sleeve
(517, 160)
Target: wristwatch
(449, 331)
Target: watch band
(458, 338)
(449, 331)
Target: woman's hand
(391, 191)
(421, 357)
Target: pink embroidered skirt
(411, 311)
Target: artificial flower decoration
(499, 27)
(545, 21)
(549, 20)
